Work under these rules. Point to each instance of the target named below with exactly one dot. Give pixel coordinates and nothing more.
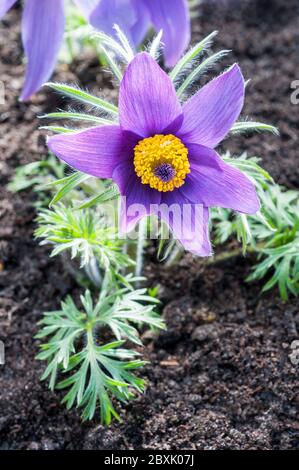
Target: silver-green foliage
(85, 233)
(93, 373)
(277, 241)
(272, 234)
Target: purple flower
(43, 26)
(162, 153)
(135, 16)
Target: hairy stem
(175, 256)
(140, 246)
(178, 252)
(225, 256)
(233, 254)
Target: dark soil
(220, 377)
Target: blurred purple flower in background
(43, 26)
(162, 153)
(135, 16)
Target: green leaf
(86, 234)
(84, 97)
(68, 184)
(77, 117)
(272, 234)
(110, 194)
(111, 62)
(202, 68)
(248, 126)
(191, 55)
(124, 53)
(250, 167)
(93, 374)
(124, 42)
(156, 45)
(57, 129)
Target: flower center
(161, 162)
(165, 172)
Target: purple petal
(111, 12)
(142, 23)
(87, 6)
(203, 156)
(147, 100)
(211, 112)
(172, 16)
(42, 33)
(188, 221)
(217, 184)
(96, 151)
(137, 198)
(175, 126)
(5, 5)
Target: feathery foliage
(85, 233)
(272, 234)
(94, 373)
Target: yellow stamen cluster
(151, 152)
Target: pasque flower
(43, 26)
(162, 153)
(135, 16)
